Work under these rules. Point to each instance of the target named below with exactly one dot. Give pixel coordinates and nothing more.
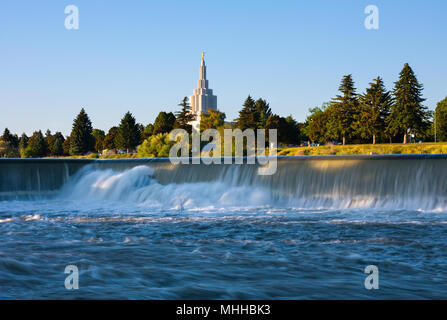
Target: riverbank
(351, 149)
(367, 149)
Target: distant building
(202, 98)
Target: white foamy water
(138, 186)
(192, 186)
(144, 230)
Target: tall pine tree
(11, 139)
(128, 136)
(374, 108)
(247, 116)
(262, 112)
(81, 139)
(343, 109)
(56, 149)
(184, 117)
(408, 115)
(23, 143)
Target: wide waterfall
(150, 229)
(397, 182)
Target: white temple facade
(202, 98)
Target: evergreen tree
(37, 146)
(440, 122)
(11, 139)
(58, 140)
(81, 139)
(23, 143)
(184, 116)
(99, 137)
(374, 108)
(247, 116)
(408, 115)
(164, 123)
(262, 112)
(343, 109)
(49, 138)
(66, 146)
(128, 136)
(109, 140)
(290, 131)
(9, 145)
(56, 149)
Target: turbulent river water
(148, 229)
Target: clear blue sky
(144, 56)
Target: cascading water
(147, 228)
(403, 182)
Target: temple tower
(202, 98)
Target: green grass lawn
(351, 149)
(395, 148)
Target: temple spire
(203, 98)
(203, 72)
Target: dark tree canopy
(164, 123)
(66, 146)
(128, 136)
(441, 120)
(147, 131)
(408, 115)
(184, 117)
(81, 141)
(374, 109)
(23, 142)
(11, 139)
(343, 107)
(109, 140)
(37, 146)
(99, 136)
(287, 129)
(262, 112)
(56, 149)
(247, 116)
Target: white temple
(203, 98)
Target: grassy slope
(352, 149)
(395, 148)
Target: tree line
(377, 114)
(84, 139)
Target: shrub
(155, 146)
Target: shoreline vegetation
(326, 150)
(377, 121)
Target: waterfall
(392, 182)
